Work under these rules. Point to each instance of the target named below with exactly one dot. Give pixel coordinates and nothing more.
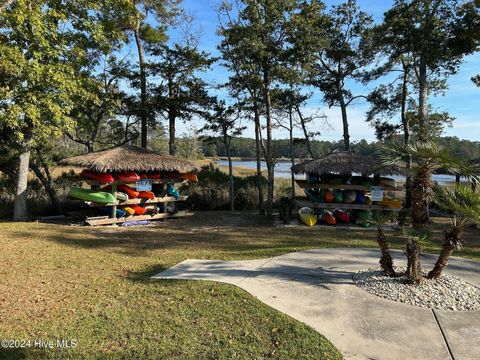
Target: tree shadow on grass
(13, 353)
(145, 274)
(259, 241)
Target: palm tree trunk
(386, 261)
(421, 195)
(452, 237)
(413, 250)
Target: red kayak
(342, 216)
(94, 175)
(127, 177)
(146, 195)
(138, 209)
(153, 176)
(329, 218)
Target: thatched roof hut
(129, 158)
(346, 162)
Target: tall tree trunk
(292, 158)
(172, 147)
(172, 118)
(457, 179)
(269, 158)
(305, 133)
(143, 87)
(386, 261)
(422, 98)
(343, 108)
(452, 237)
(259, 158)
(94, 134)
(226, 141)
(47, 184)
(406, 137)
(89, 146)
(20, 205)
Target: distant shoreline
(224, 158)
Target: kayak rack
(105, 220)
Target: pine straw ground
(92, 285)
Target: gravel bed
(447, 292)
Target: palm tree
(464, 203)
(426, 157)
(379, 218)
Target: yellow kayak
(307, 216)
(128, 210)
(391, 203)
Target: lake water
(282, 170)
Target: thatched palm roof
(346, 162)
(129, 158)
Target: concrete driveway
(316, 287)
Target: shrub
(285, 210)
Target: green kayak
(99, 197)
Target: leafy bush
(285, 210)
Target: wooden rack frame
(303, 201)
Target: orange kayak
(329, 196)
(132, 194)
(189, 177)
(138, 209)
(329, 218)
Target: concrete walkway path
(316, 287)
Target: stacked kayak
(96, 176)
(307, 216)
(99, 197)
(136, 200)
(127, 177)
(329, 218)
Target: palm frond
(462, 201)
(429, 155)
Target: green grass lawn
(92, 285)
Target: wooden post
(163, 206)
(114, 192)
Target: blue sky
(462, 99)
